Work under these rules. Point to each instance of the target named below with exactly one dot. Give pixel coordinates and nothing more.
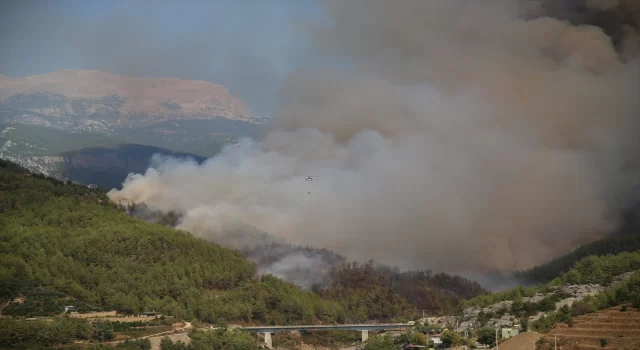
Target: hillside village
(476, 327)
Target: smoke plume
(459, 136)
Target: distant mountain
(84, 95)
(44, 119)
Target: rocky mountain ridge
(86, 94)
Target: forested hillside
(63, 244)
(378, 290)
(627, 242)
(592, 269)
(608, 280)
(62, 241)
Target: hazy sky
(246, 45)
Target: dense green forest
(16, 334)
(60, 240)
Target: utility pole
(496, 338)
(555, 342)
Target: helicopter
(310, 178)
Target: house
(436, 339)
(509, 332)
(92, 186)
(152, 314)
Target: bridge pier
(365, 335)
(267, 340)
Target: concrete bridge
(364, 328)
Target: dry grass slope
(522, 341)
(620, 329)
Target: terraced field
(620, 329)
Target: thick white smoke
(465, 137)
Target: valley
(320, 175)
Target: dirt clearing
(522, 341)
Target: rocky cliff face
(82, 94)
